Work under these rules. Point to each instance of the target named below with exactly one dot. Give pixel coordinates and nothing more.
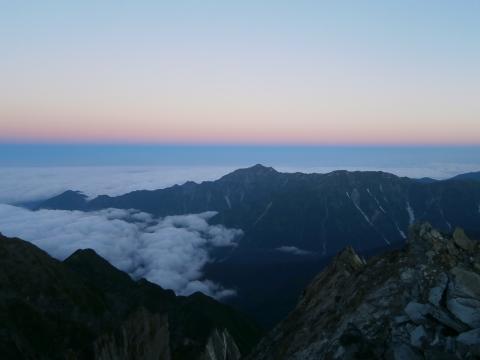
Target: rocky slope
(421, 302)
(84, 308)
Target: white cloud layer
(294, 250)
(22, 184)
(169, 251)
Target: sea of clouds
(25, 184)
(169, 251)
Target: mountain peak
(250, 173)
(92, 266)
(261, 167)
(258, 169)
(85, 253)
(68, 200)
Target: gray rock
(462, 240)
(466, 310)
(404, 352)
(221, 346)
(416, 311)
(465, 284)
(407, 275)
(418, 336)
(142, 336)
(471, 337)
(402, 305)
(436, 293)
(446, 319)
(349, 257)
(401, 319)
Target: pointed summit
(68, 200)
(252, 173)
(349, 258)
(94, 267)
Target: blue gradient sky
(294, 157)
(243, 72)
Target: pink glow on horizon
(225, 138)
(247, 72)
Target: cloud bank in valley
(24, 184)
(169, 251)
(294, 250)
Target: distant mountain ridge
(277, 209)
(475, 176)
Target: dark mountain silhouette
(306, 210)
(84, 308)
(468, 176)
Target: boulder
(416, 311)
(471, 337)
(444, 318)
(466, 310)
(436, 293)
(465, 284)
(418, 336)
(462, 240)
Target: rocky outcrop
(142, 336)
(221, 346)
(421, 302)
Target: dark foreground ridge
(422, 302)
(84, 308)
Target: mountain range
(294, 223)
(306, 211)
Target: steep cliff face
(142, 336)
(421, 302)
(221, 346)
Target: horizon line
(11, 142)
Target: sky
(240, 72)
